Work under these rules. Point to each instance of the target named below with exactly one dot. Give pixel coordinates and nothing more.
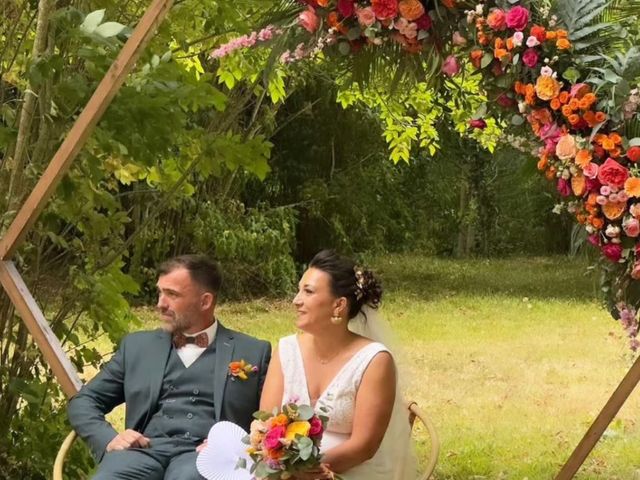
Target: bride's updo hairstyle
(356, 284)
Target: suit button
(189, 416)
(196, 391)
(187, 435)
(193, 399)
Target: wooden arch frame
(31, 313)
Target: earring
(336, 320)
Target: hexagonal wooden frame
(31, 313)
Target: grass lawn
(512, 359)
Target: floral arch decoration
(542, 66)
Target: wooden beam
(39, 328)
(83, 127)
(601, 423)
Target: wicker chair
(414, 413)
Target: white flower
(612, 231)
(566, 174)
(522, 107)
(590, 229)
(532, 42)
(479, 9)
(557, 208)
(546, 71)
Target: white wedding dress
(389, 462)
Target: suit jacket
(134, 376)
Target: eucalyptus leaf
(487, 58)
(109, 29)
(91, 21)
(344, 48)
(517, 120)
(634, 142)
(305, 412)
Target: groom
(175, 382)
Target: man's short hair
(204, 271)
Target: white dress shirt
(190, 352)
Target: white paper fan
(224, 447)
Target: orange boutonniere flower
(241, 369)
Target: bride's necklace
(325, 361)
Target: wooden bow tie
(201, 340)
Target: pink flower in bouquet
(530, 57)
(346, 8)
(594, 239)
(478, 123)
(385, 9)
(613, 251)
(366, 17)
(635, 210)
(451, 67)
(518, 38)
(309, 20)
(563, 187)
(635, 272)
(532, 41)
(631, 227)
(591, 171)
(424, 22)
(407, 28)
(517, 18)
(458, 39)
(273, 436)
(612, 174)
(496, 19)
(566, 147)
(316, 429)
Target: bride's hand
(323, 472)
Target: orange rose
(608, 144)
(550, 174)
(518, 87)
(574, 104)
(551, 35)
(583, 158)
(597, 222)
(323, 3)
(632, 186)
(547, 87)
(615, 138)
(589, 98)
(411, 9)
(235, 368)
(333, 19)
(448, 3)
(563, 97)
(566, 147)
(590, 118)
(566, 110)
(476, 58)
(543, 162)
(510, 44)
(563, 44)
(573, 118)
(562, 33)
(281, 419)
(600, 117)
(555, 103)
(500, 53)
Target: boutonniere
(241, 369)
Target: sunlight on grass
(511, 359)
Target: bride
(351, 376)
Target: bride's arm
(273, 385)
(374, 404)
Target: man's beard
(178, 324)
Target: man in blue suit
(176, 382)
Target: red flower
(505, 101)
(346, 8)
(385, 9)
(424, 22)
(517, 18)
(612, 251)
(613, 174)
(316, 427)
(633, 154)
(539, 32)
(478, 123)
(563, 187)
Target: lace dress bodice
(337, 402)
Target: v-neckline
(333, 380)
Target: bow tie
(201, 340)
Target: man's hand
(202, 446)
(128, 439)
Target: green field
(511, 359)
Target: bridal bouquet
(284, 441)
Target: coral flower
(566, 147)
(411, 9)
(633, 154)
(309, 20)
(385, 9)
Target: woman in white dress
(351, 376)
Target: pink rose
(631, 227)
(346, 8)
(530, 57)
(591, 171)
(478, 123)
(635, 273)
(517, 18)
(273, 436)
(635, 211)
(458, 39)
(563, 187)
(450, 67)
(613, 251)
(366, 17)
(316, 427)
(594, 239)
(613, 174)
(309, 20)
